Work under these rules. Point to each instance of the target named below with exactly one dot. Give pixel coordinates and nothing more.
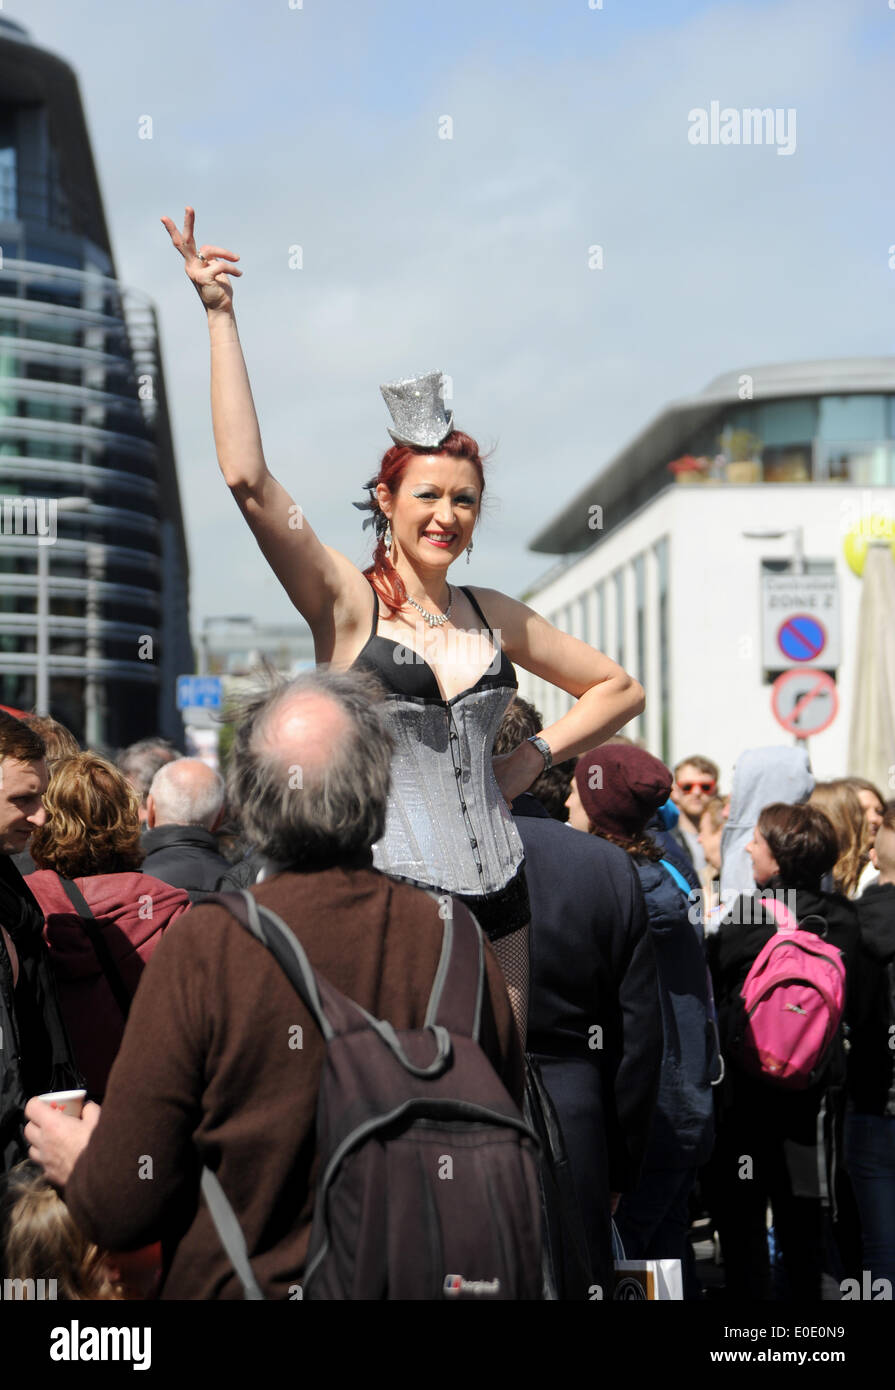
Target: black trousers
(771, 1146)
(575, 1088)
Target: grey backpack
(428, 1174)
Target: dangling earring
(387, 539)
(469, 552)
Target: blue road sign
(199, 692)
(802, 637)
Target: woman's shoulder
(505, 616)
(494, 600)
(130, 896)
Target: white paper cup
(69, 1102)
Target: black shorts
(499, 913)
(505, 911)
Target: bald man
(221, 1061)
(184, 807)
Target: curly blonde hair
(93, 820)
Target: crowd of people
(431, 1000)
(143, 991)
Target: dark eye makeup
(464, 497)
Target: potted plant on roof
(743, 449)
(688, 469)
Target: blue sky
(319, 127)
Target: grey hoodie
(760, 777)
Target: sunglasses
(708, 787)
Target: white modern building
(745, 496)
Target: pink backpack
(793, 998)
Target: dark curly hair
(641, 846)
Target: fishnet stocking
(513, 957)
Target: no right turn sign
(804, 702)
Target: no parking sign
(800, 620)
(801, 637)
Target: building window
(640, 602)
(664, 670)
(850, 418)
(862, 464)
(791, 464)
(8, 192)
(619, 581)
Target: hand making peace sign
(206, 267)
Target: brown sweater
(205, 1074)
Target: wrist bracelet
(543, 748)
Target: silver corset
(447, 823)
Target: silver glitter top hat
(417, 407)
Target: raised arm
(327, 589)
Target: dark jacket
(244, 872)
(682, 1132)
(677, 835)
(671, 847)
(36, 1054)
(131, 911)
(23, 862)
(592, 965)
(871, 1060)
(593, 1022)
(207, 1073)
(186, 856)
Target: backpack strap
(787, 921)
(781, 914)
(331, 1010)
(678, 877)
(100, 946)
(290, 955)
(455, 1002)
(230, 1232)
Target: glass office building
(94, 576)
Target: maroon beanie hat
(621, 787)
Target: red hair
(457, 445)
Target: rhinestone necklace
(433, 619)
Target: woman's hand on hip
(516, 771)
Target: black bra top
(403, 671)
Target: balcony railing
(39, 199)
